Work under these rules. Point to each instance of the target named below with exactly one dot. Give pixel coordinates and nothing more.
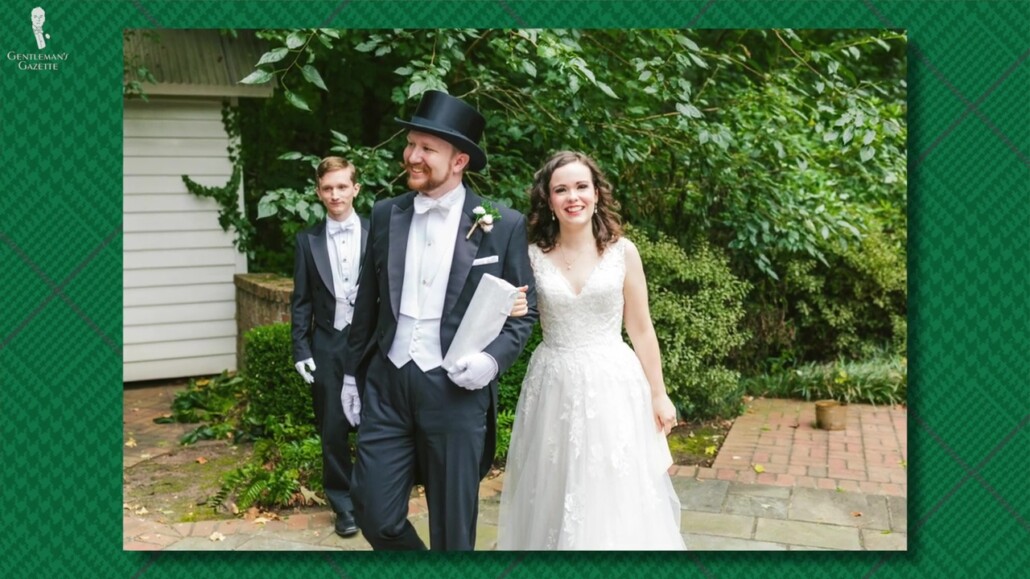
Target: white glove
(304, 368)
(350, 400)
(474, 371)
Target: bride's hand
(664, 413)
(521, 306)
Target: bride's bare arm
(637, 317)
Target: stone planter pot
(831, 415)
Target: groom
(424, 258)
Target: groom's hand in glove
(474, 371)
(306, 368)
(350, 400)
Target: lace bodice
(593, 317)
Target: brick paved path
(841, 490)
(869, 456)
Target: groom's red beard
(424, 181)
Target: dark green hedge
(274, 387)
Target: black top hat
(452, 120)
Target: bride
(588, 462)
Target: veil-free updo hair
(543, 227)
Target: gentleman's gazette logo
(38, 60)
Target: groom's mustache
(420, 166)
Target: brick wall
(261, 299)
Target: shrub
(274, 389)
(856, 305)
(696, 306)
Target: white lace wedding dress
(586, 467)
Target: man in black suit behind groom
(325, 277)
(427, 250)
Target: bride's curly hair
(542, 224)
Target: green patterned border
(60, 240)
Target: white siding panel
(197, 366)
(176, 240)
(177, 109)
(159, 277)
(211, 312)
(172, 332)
(178, 221)
(178, 264)
(177, 258)
(164, 184)
(175, 128)
(174, 146)
(179, 349)
(141, 203)
(178, 166)
(193, 294)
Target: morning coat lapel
(320, 255)
(400, 226)
(464, 251)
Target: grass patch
(697, 443)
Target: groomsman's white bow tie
(424, 204)
(336, 228)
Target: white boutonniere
(485, 217)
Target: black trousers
(418, 426)
(327, 348)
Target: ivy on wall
(229, 213)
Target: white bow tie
(424, 204)
(335, 227)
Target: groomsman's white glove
(474, 371)
(350, 400)
(305, 369)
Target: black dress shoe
(345, 525)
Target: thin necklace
(568, 264)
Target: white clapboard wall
(179, 297)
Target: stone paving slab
(717, 524)
(230, 543)
(880, 541)
(898, 507)
(757, 506)
(280, 543)
(808, 534)
(759, 490)
(705, 496)
(836, 508)
(696, 542)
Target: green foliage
(505, 421)
(783, 150)
(281, 467)
(696, 307)
(854, 306)
(229, 214)
(135, 74)
(509, 385)
(881, 379)
(274, 390)
(216, 402)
